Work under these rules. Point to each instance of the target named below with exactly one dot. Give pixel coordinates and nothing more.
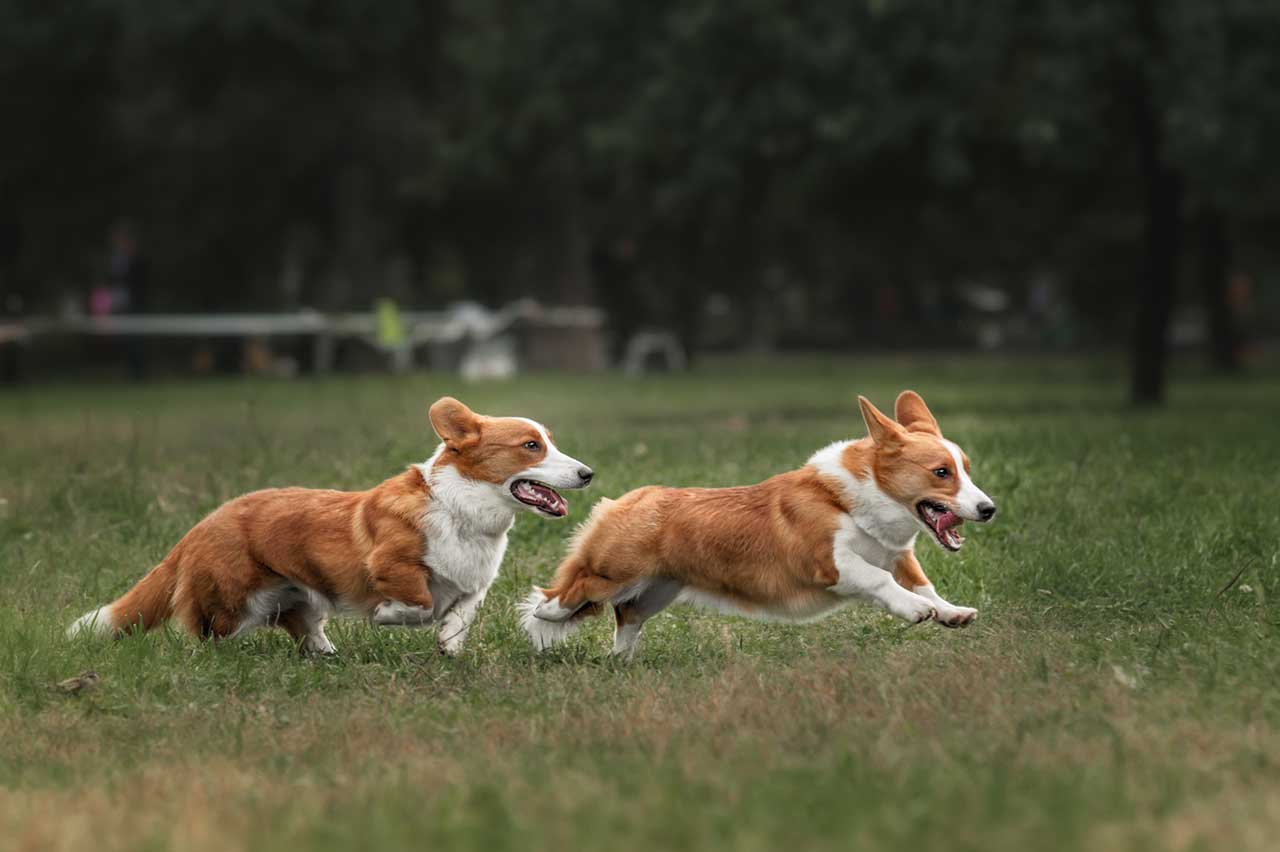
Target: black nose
(986, 511)
(585, 474)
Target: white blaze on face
(556, 469)
(969, 497)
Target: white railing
(419, 327)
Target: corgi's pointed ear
(881, 429)
(914, 415)
(457, 425)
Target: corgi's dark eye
(532, 445)
(941, 472)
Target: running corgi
(793, 548)
(422, 546)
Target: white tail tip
(542, 632)
(93, 623)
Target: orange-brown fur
(502, 450)
(901, 464)
(356, 549)
(907, 571)
(764, 548)
(752, 544)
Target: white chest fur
(880, 528)
(465, 528)
(871, 548)
(470, 563)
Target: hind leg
(208, 616)
(306, 626)
(550, 615)
(632, 613)
(583, 588)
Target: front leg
(856, 577)
(397, 574)
(909, 575)
(457, 622)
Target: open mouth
(541, 497)
(942, 522)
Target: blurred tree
(712, 134)
(223, 128)
(821, 173)
(303, 133)
(1191, 90)
(60, 162)
(1228, 113)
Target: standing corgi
(422, 546)
(793, 548)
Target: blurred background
(286, 186)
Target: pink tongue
(946, 521)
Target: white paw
(451, 637)
(551, 610)
(318, 643)
(913, 608)
(949, 615)
(394, 613)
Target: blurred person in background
(1241, 304)
(126, 290)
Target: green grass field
(1111, 695)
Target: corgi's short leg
(859, 578)
(306, 626)
(908, 573)
(550, 615)
(631, 613)
(397, 614)
(457, 623)
(945, 613)
(398, 575)
(316, 642)
(551, 609)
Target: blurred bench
(460, 327)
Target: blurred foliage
(798, 157)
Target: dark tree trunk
(689, 326)
(691, 264)
(573, 274)
(1162, 200)
(1156, 287)
(1215, 271)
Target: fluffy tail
(148, 604)
(546, 622)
